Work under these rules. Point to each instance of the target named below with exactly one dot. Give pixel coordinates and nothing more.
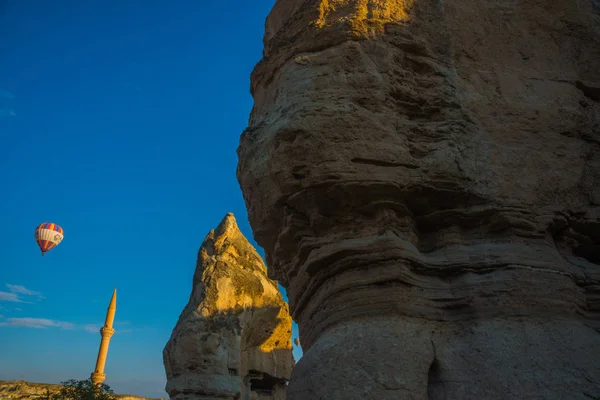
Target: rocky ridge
(22, 390)
(233, 338)
(425, 180)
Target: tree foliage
(82, 390)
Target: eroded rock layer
(424, 177)
(233, 338)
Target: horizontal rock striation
(425, 180)
(233, 338)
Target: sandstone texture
(424, 177)
(233, 338)
(22, 390)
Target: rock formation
(21, 390)
(233, 338)
(424, 177)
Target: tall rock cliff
(424, 177)
(233, 338)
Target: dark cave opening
(263, 383)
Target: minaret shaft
(106, 332)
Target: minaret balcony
(105, 331)
(98, 378)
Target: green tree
(83, 390)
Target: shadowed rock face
(424, 177)
(233, 338)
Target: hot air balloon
(48, 235)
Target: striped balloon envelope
(48, 235)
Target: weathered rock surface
(233, 338)
(424, 177)
(22, 390)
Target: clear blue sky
(120, 122)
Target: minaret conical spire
(106, 332)
(112, 309)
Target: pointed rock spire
(235, 327)
(228, 225)
(228, 244)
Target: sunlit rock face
(22, 390)
(424, 177)
(233, 338)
